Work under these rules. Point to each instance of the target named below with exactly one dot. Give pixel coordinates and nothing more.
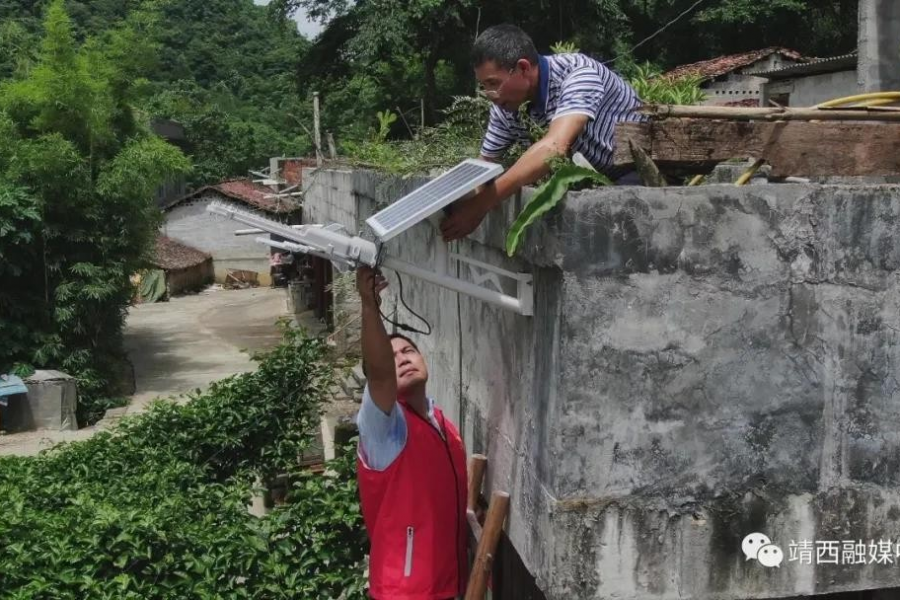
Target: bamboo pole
(477, 464)
(487, 547)
(775, 113)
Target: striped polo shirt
(570, 84)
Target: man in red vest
(411, 467)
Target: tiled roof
(247, 192)
(171, 254)
(715, 67)
(833, 64)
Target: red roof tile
(171, 254)
(715, 67)
(247, 192)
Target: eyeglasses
(495, 93)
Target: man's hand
(467, 215)
(370, 284)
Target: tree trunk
(430, 91)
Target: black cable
(402, 326)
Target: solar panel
(423, 202)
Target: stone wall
(703, 363)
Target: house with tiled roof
(187, 221)
(727, 80)
(812, 82)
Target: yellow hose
(860, 98)
(878, 102)
(697, 180)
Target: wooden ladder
(483, 539)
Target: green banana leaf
(546, 197)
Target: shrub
(157, 507)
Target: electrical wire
(657, 32)
(379, 259)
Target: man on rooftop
(579, 98)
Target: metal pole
(317, 131)
(458, 285)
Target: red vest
(415, 514)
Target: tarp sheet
(153, 285)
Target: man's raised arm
(531, 166)
(378, 355)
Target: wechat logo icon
(759, 547)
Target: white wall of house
(190, 224)
(737, 85)
(731, 88)
(814, 89)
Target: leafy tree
(427, 31)
(17, 49)
(234, 60)
(73, 154)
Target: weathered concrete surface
(879, 45)
(703, 363)
(728, 364)
(191, 341)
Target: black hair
(504, 44)
(392, 336)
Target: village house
(784, 77)
(727, 80)
(187, 221)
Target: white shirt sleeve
(382, 436)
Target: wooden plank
(477, 465)
(792, 148)
(475, 530)
(487, 546)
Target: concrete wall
(734, 88)
(703, 363)
(190, 224)
(879, 45)
(814, 89)
(737, 86)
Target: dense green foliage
(240, 78)
(157, 508)
(380, 54)
(78, 175)
(222, 68)
(654, 88)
